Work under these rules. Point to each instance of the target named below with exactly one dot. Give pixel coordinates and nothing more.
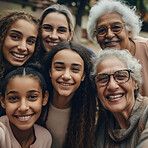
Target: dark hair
(81, 127)
(33, 70)
(6, 21)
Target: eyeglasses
(120, 76)
(116, 28)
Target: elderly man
(116, 25)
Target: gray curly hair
(129, 16)
(125, 56)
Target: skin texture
(121, 40)
(116, 97)
(66, 74)
(19, 43)
(55, 28)
(23, 104)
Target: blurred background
(80, 10)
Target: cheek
(44, 34)
(36, 107)
(10, 108)
(31, 49)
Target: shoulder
(42, 135)
(141, 41)
(5, 140)
(41, 130)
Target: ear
(83, 77)
(45, 99)
(70, 35)
(2, 100)
(130, 34)
(135, 85)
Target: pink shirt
(142, 54)
(43, 137)
(5, 141)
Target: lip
(19, 56)
(23, 118)
(115, 97)
(65, 85)
(111, 44)
(51, 44)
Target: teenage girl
(24, 96)
(72, 108)
(18, 34)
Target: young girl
(71, 116)
(23, 94)
(56, 24)
(18, 33)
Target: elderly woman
(116, 25)
(123, 113)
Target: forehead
(55, 17)
(22, 25)
(19, 82)
(23, 22)
(110, 65)
(110, 17)
(68, 56)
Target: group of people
(56, 93)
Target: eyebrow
(15, 92)
(44, 25)
(16, 31)
(73, 64)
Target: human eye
(31, 41)
(59, 67)
(62, 30)
(33, 97)
(101, 78)
(14, 36)
(101, 30)
(47, 28)
(75, 69)
(121, 75)
(116, 27)
(13, 99)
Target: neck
(122, 118)
(61, 102)
(132, 47)
(24, 137)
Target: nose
(54, 35)
(66, 75)
(23, 107)
(109, 34)
(22, 45)
(112, 85)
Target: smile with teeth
(18, 55)
(65, 84)
(114, 97)
(51, 44)
(23, 118)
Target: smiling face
(115, 97)
(113, 40)
(67, 72)
(19, 43)
(55, 28)
(23, 102)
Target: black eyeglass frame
(121, 24)
(128, 70)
